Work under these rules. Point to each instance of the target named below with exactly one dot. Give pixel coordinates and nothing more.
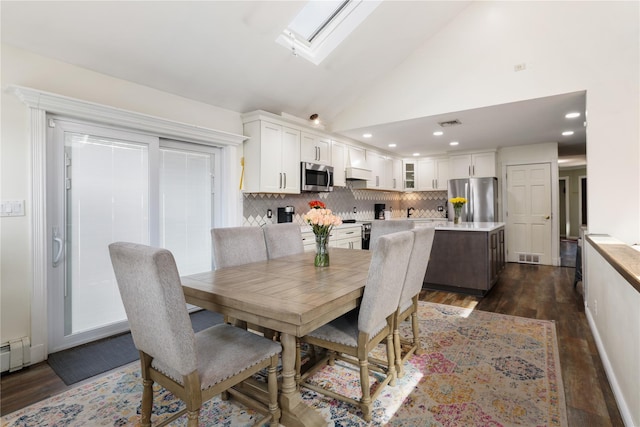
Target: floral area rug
(478, 369)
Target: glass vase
(457, 210)
(322, 251)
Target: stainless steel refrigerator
(481, 195)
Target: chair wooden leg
(194, 397)
(192, 418)
(415, 327)
(272, 380)
(147, 390)
(365, 402)
(391, 360)
(398, 353)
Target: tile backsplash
(342, 201)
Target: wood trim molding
(59, 104)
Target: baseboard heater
(15, 355)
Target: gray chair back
(381, 228)
(283, 239)
(387, 272)
(237, 245)
(152, 295)
(418, 262)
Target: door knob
(548, 217)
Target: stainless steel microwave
(315, 177)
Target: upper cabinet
(397, 181)
(433, 173)
(271, 158)
(315, 148)
(473, 165)
(338, 161)
(410, 176)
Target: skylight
(322, 25)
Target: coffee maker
(378, 210)
(285, 214)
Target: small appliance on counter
(286, 214)
(378, 210)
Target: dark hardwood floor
(539, 292)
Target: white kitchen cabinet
(338, 161)
(377, 163)
(410, 175)
(271, 158)
(397, 171)
(473, 165)
(432, 173)
(315, 148)
(347, 236)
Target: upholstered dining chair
(233, 246)
(283, 239)
(352, 336)
(193, 366)
(408, 307)
(381, 228)
(237, 245)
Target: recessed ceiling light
(393, 145)
(572, 115)
(416, 154)
(367, 135)
(438, 133)
(454, 143)
(567, 133)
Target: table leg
(294, 411)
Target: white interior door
(529, 213)
(108, 185)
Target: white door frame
(567, 205)
(39, 104)
(581, 178)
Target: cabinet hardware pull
(285, 180)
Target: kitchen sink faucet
(410, 212)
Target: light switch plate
(12, 208)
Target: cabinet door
(397, 183)
(426, 174)
(271, 178)
(308, 149)
(324, 150)
(483, 164)
(315, 148)
(290, 156)
(442, 174)
(409, 176)
(460, 166)
(338, 158)
(376, 163)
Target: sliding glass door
(111, 185)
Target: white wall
(617, 310)
(567, 47)
(28, 70)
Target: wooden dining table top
(287, 294)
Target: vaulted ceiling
(224, 53)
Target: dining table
(288, 295)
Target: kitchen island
(465, 257)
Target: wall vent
(15, 354)
(529, 258)
(450, 123)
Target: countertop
(443, 224)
